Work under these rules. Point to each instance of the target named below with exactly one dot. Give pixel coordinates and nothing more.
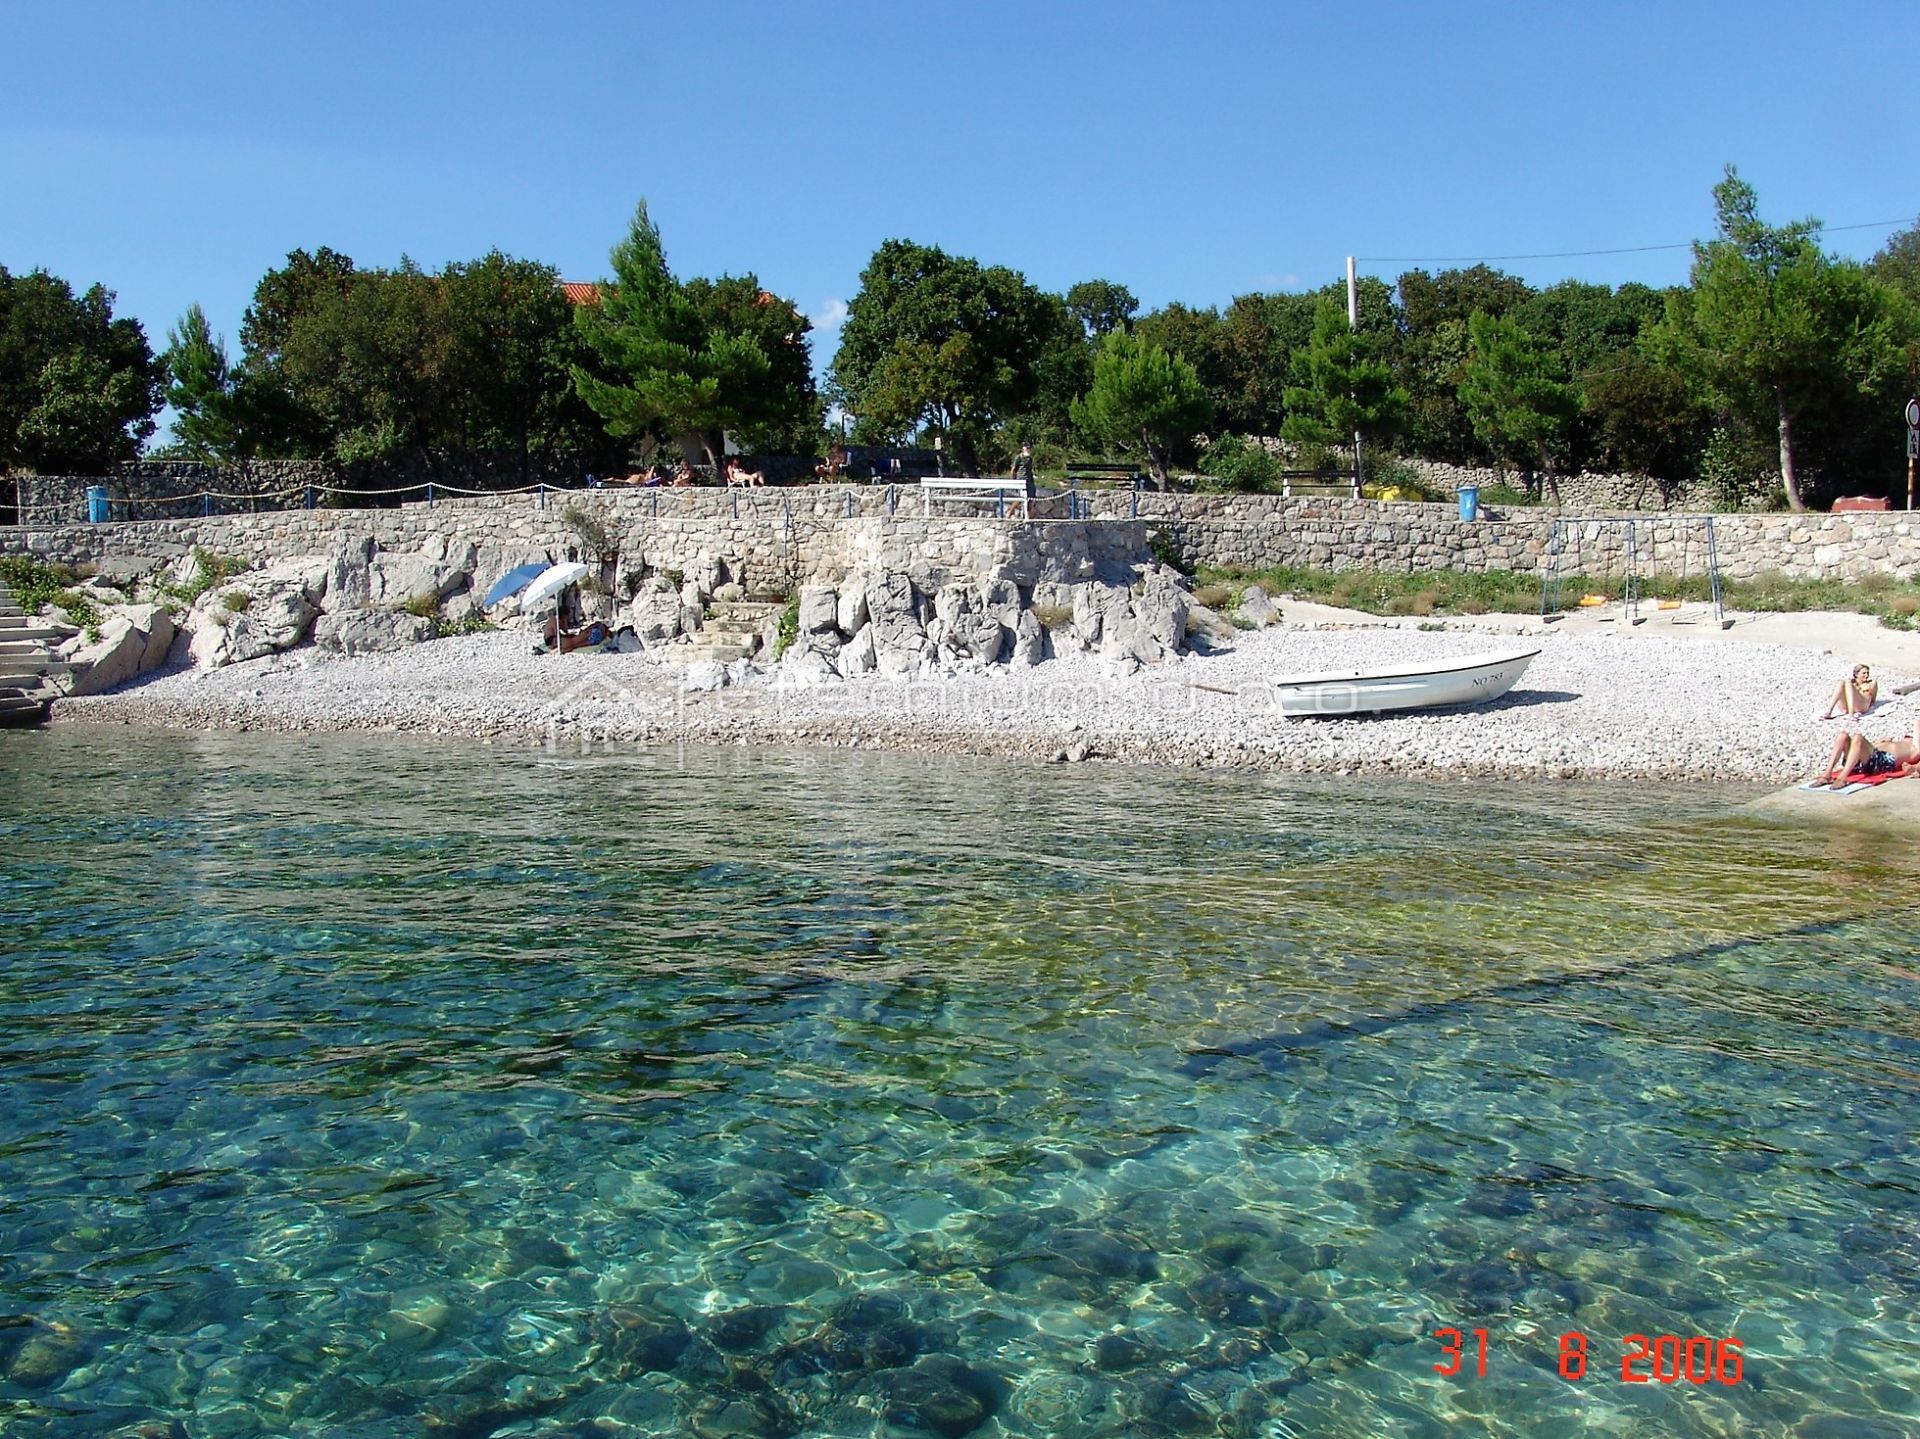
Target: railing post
(206, 504)
(1000, 504)
(429, 494)
(1136, 497)
(735, 496)
(540, 499)
(656, 504)
(893, 497)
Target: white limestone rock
(359, 632)
(819, 610)
(132, 642)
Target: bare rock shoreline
(1612, 703)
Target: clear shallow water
(361, 1088)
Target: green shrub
(1230, 463)
(236, 600)
(789, 628)
(1053, 617)
(1166, 550)
(208, 570)
(424, 605)
(594, 539)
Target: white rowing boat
(1468, 680)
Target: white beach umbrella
(548, 586)
(552, 580)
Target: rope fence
(1071, 502)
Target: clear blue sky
(1191, 152)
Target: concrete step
(730, 625)
(29, 633)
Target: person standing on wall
(1023, 469)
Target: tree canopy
(78, 388)
(700, 358)
(941, 341)
(1143, 400)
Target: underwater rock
(943, 1394)
(1231, 1298)
(1114, 1352)
(744, 1416)
(869, 1331)
(637, 1343)
(745, 1327)
(50, 1353)
(529, 1250)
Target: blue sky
(1194, 152)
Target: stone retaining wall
(784, 537)
(772, 539)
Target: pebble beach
(1604, 702)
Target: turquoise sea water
(360, 1087)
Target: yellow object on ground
(1587, 602)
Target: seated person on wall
(685, 476)
(836, 464)
(738, 474)
(651, 475)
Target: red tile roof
(579, 292)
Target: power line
(1578, 254)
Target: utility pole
(1353, 325)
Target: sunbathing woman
(1857, 757)
(1856, 694)
(738, 474)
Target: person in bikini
(1856, 693)
(1855, 756)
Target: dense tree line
(1777, 365)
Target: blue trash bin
(98, 512)
(1469, 502)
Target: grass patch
(1053, 617)
(1896, 602)
(236, 600)
(1217, 595)
(208, 570)
(424, 606)
(35, 584)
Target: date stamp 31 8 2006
(1644, 1358)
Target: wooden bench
(1101, 474)
(1318, 482)
(974, 487)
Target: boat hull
(1469, 680)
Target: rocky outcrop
(359, 632)
(903, 629)
(132, 641)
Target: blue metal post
(429, 494)
(736, 502)
(1000, 505)
(206, 504)
(542, 498)
(309, 495)
(1136, 497)
(893, 497)
(656, 504)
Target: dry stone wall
(779, 539)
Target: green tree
(1897, 263)
(1644, 417)
(305, 285)
(1143, 400)
(1780, 331)
(78, 388)
(1343, 384)
(1100, 306)
(208, 422)
(697, 359)
(512, 348)
(941, 341)
(1432, 356)
(1517, 408)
